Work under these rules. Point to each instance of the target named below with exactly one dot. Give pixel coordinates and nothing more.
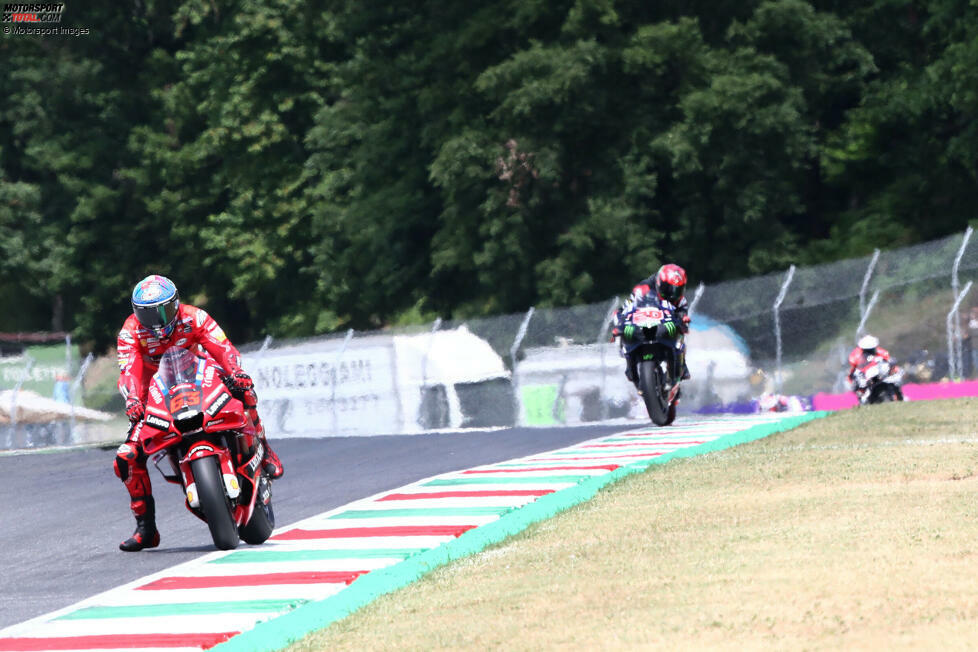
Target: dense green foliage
(299, 167)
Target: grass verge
(854, 531)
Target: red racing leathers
(140, 350)
(857, 358)
(857, 361)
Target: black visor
(156, 316)
(671, 293)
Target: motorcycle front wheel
(214, 502)
(650, 383)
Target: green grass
(855, 531)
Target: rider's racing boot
(146, 534)
(271, 464)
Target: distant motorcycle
(878, 381)
(195, 424)
(654, 360)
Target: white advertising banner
(325, 389)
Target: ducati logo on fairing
(256, 460)
(218, 403)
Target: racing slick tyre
(882, 393)
(262, 521)
(214, 502)
(671, 415)
(650, 384)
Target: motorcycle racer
(160, 321)
(867, 349)
(669, 283)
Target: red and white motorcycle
(195, 425)
(877, 380)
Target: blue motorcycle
(654, 348)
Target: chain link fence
(788, 332)
(45, 400)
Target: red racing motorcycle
(200, 438)
(877, 380)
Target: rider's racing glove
(135, 410)
(239, 382)
(242, 388)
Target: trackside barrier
(42, 401)
(555, 366)
(911, 391)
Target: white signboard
(326, 391)
(370, 385)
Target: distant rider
(669, 283)
(159, 321)
(867, 349)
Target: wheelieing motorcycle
(878, 381)
(199, 437)
(654, 355)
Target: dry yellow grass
(858, 531)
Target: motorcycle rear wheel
(262, 521)
(214, 502)
(650, 382)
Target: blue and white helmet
(155, 303)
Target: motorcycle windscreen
(177, 366)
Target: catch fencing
(42, 398)
(786, 333)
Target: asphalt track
(63, 513)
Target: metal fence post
(866, 277)
(427, 352)
(696, 299)
(954, 361)
(602, 336)
(950, 330)
(867, 312)
(73, 390)
(517, 341)
(777, 325)
(422, 412)
(13, 399)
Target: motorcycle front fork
(674, 369)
